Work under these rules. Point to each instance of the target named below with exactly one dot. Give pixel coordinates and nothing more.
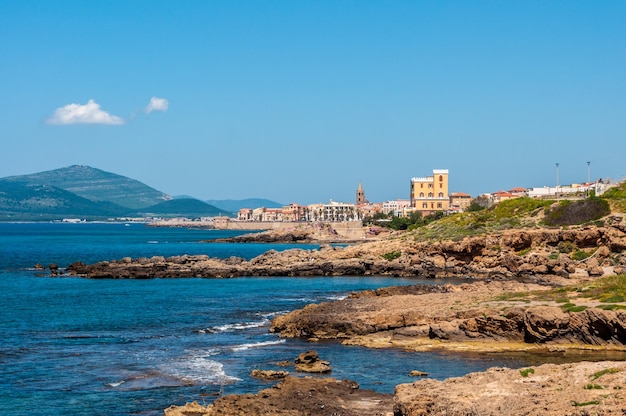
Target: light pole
(588, 177)
(556, 190)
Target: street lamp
(588, 172)
(556, 190)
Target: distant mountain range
(234, 205)
(92, 194)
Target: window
(430, 185)
(425, 205)
(440, 178)
(438, 204)
(421, 185)
(441, 185)
(430, 194)
(421, 194)
(440, 194)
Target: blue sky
(299, 101)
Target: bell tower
(360, 195)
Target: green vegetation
(612, 307)
(392, 255)
(570, 307)
(566, 247)
(512, 213)
(91, 194)
(95, 185)
(592, 386)
(606, 289)
(610, 290)
(403, 223)
(580, 404)
(606, 371)
(612, 299)
(413, 221)
(524, 251)
(21, 201)
(616, 197)
(526, 371)
(581, 254)
(577, 212)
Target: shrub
(566, 247)
(618, 192)
(580, 255)
(570, 307)
(577, 212)
(526, 371)
(611, 307)
(392, 255)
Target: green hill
(96, 185)
(20, 201)
(187, 207)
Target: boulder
(309, 362)
(269, 374)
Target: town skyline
(302, 101)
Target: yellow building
(430, 194)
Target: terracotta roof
(460, 194)
(518, 189)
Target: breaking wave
(244, 347)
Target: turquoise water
(73, 346)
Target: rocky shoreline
(574, 389)
(479, 316)
(516, 253)
(531, 289)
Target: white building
(333, 212)
(395, 207)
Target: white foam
(239, 326)
(336, 297)
(116, 384)
(244, 347)
(199, 369)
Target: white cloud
(157, 104)
(89, 113)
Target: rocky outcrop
(437, 316)
(553, 390)
(269, 374)
(310, 362)
(515, 253)
(297, 235)
(297, 396)
(576, 389)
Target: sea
(76, 346)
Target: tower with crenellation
(430, 194)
